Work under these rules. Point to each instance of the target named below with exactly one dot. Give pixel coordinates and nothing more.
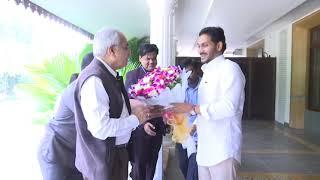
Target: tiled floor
(270, 151)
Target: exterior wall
(292, 68)
(301, 116)
(293, 16)
(278, 44)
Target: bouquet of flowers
(163, 86)
(179, 123)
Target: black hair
(195, 66)
(216, 34)
(73, 77)
(86, 60)
(148, 48)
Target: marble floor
(270, 152)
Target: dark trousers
(56, 171)
(119, 169)
(188, 166)
(144, 151)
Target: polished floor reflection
(270, 152)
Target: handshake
(145, 112)
(172, 116)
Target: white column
(162, 29)
(162, 33)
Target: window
(314, 70)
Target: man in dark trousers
(146, 139)
(57, 151)
(103, 113)
(187, 161)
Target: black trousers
(188, 166)
(120, 166)
(144, 151)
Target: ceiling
(240, 19)
(129, 16)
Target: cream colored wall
(252, 52)
(298, 73)
(299, 69)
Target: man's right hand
(142, 113)
(145, 113)
(149, 129)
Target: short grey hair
(104, 39)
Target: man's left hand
(149, 129)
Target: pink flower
(153, 83)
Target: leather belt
(120, 146)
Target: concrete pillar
(162, 33)
(162, 29)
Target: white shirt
(95, 106)
(221, 98)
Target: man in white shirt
(220, 106)
(103, 113)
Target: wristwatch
(193, 110)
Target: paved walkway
(270, 151)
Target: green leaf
(51, 77)
(48, 80)
(87, 48)
(133, 61)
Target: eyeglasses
(126, 48)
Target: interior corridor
(270, 152)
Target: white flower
(146, 79)
(138, 87)
(153, 93)
(170, 71)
